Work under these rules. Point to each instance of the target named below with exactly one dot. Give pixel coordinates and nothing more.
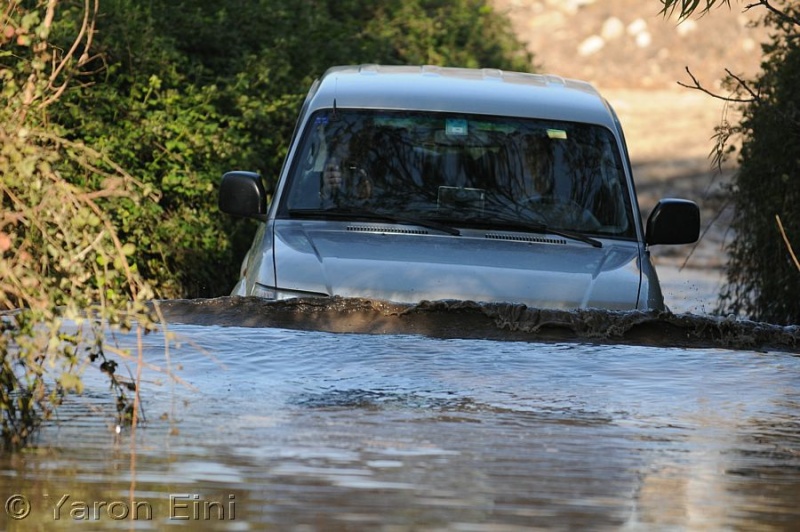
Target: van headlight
(276, 294)
(264, 292)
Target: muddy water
(359, 416)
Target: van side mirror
(673, 221)
(242, 194)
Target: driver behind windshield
(332, 179)
(342, 181)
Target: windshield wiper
(575, 235)
(345, 212)
(541, 228)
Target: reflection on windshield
(462, 170)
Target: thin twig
(80, 256)
(699, 87)
(743, 84)
(135, 413)
(786, 241)
(781, 14)
(86, 31)
(705, 231)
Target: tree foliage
(686, 8)
(763, 279)
(178, 92)
(117, 118)
(61, 257)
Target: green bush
(763, 281)
(61, 257)
(115, 127)
(181, 92)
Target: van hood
(406, 264)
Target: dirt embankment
(629, 44)
(635, 56)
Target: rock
(613, 28)
(591, 46)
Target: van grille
(526, 238)
(383, 229)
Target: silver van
(427, 183)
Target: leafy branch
(65, 272)
(686, 8)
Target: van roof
(463, 90)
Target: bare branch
(87, 28)
(50, 13)
(90, 35)
(697, 86)
(9, 9)
(786, 242)
(743, 84)
(68, 56)
(781, 14)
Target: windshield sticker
(456, 127)
(557, 134)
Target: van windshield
(463, 170)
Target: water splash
(466, 319)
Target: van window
(465, 170)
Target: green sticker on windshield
(557, 134)
(456, 127)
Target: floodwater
(352, 415)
